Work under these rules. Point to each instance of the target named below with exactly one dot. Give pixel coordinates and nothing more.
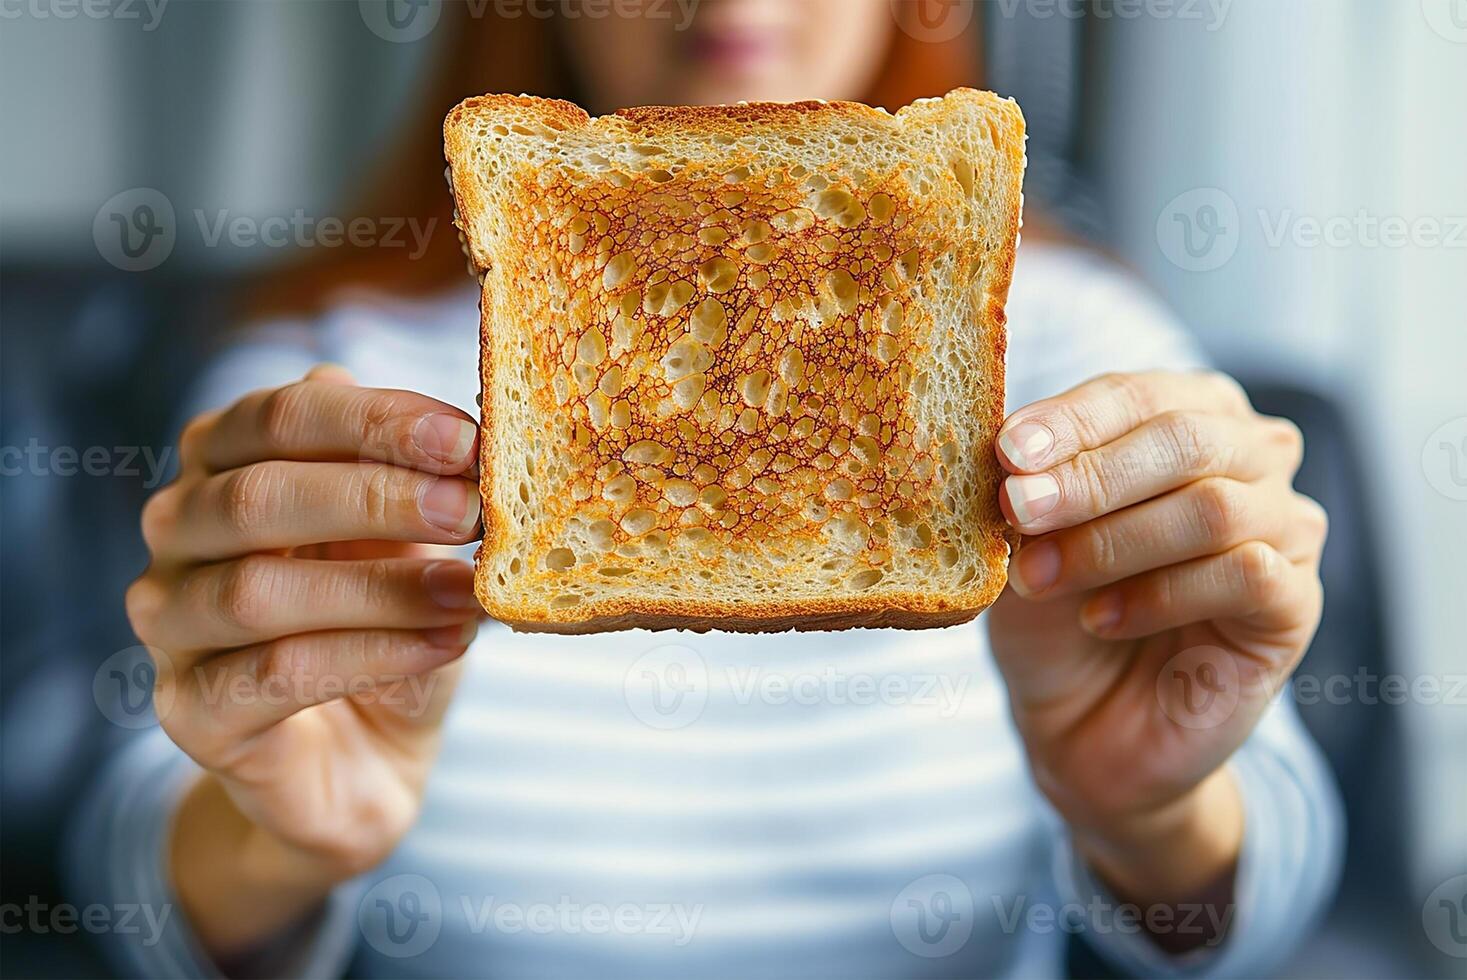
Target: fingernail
(1027, 444)
(1102, 613)
(1037, 567)
(452, 504)
(450, 584)
(1032, 496)
(453, 637)
(444, 438)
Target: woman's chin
(724, 87)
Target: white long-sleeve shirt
(679, 805)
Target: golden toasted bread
(742, 366)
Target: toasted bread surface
(742, 366)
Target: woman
(534, 808)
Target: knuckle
(1132, 390)
(376, 413)
(144, 601)
(1220, 509)
(1314, 516)
(1228, 389)
(159, 514)
(245, 498)
(379, 494)
(281, 414)
(1089, 482)
(1288, 435)
(1185, 443)
(277, 661)
(1099, 547)
(244, 597)
(378, 581)
(1259, 568)
(190, 441)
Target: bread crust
(908, 609)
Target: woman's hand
(284, 578)
(1166, 586)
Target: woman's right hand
(305, 641)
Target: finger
(263, 597)
(273, 505)
(419, 701)
(244, 692)
(1207, 517)
(1168, 451)
(1252, 583)
(1051, 431)
(357, 550)
(331, 374)
(322, 418)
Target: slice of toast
(742, 366)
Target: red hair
(520, 55)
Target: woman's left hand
(1166, 587)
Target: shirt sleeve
(117, 857)
(1074, 315)
(1293, 843)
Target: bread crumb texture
(742, 366)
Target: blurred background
(1288, 174)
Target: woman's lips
(735, 51)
